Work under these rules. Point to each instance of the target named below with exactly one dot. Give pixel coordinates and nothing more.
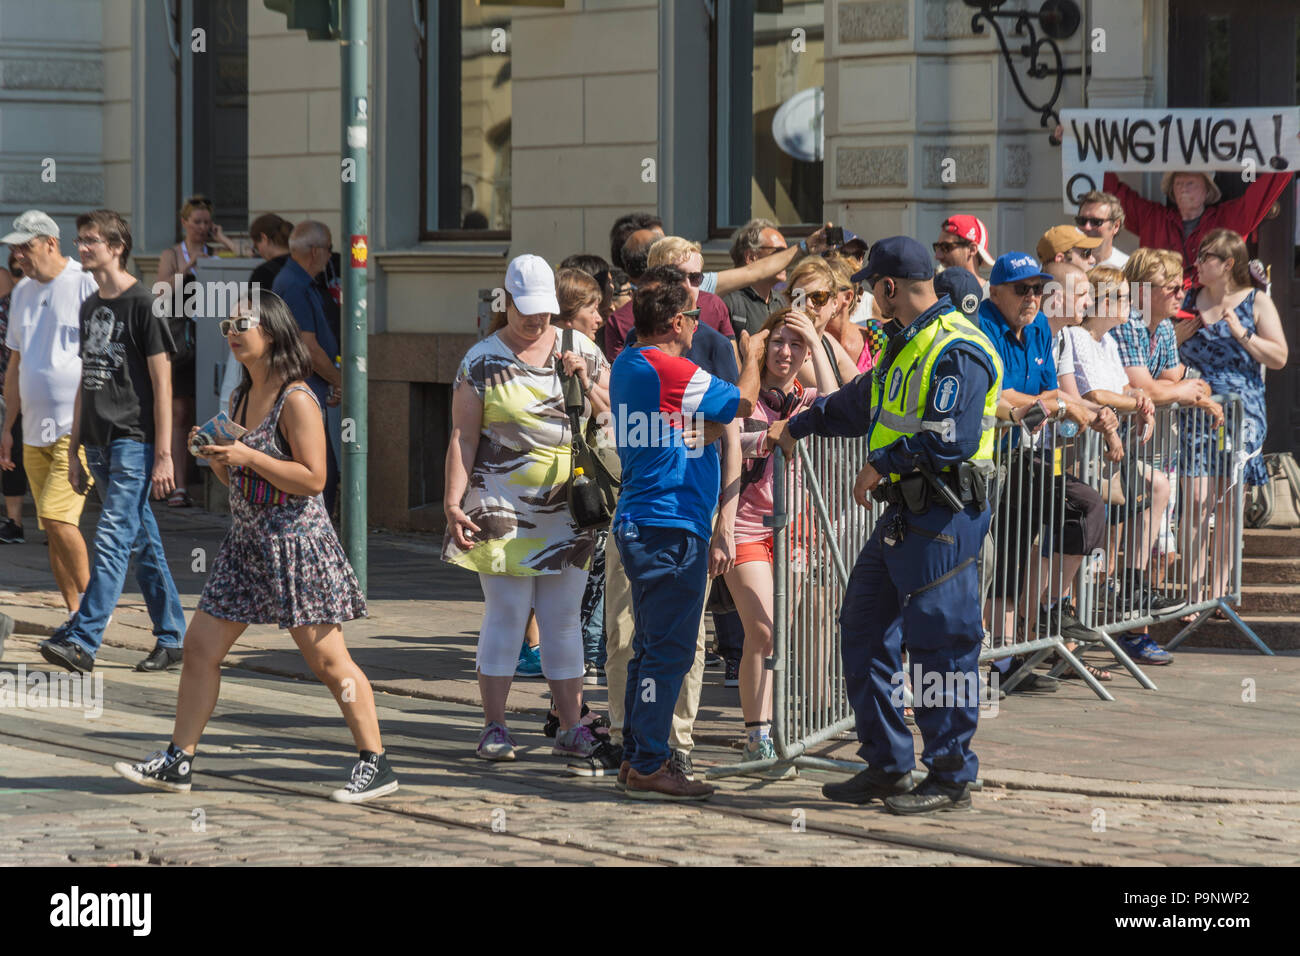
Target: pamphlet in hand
(218, 430)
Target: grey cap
(28, 226)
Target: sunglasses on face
(943, 248)
(693, 314)
(239, 324)
(1091, 222)
(85, 242)
(1028, 289)
(815, 299)
(1083, 253)
(695, 278)
(1208, 255)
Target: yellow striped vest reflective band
(906, 388)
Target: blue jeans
(667, 569)
(126, 530)
(729, 630)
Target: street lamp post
(356, 330)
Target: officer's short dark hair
(655, 306)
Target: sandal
(180, 498)
(1097, 673)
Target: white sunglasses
(241, 323)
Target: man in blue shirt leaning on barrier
(929, 412)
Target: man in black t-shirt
(124, 404)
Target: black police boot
(930, 797)
(868, 785)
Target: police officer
(928, 410)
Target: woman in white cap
(506, 504)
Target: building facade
(498, 129)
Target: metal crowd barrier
(1192, 546)
(819, 531)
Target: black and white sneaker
(371, 778)
(681, 760)
(589, 673)
(731, 677)
(163, 770)
(599, 724)
(11, 532)
(604, 761)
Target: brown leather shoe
(666, 783)
(623, 768)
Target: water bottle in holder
(585, 501)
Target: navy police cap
(962, 287)
(898, 257)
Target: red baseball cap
(972, 229)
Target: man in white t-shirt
(42, 382)
(1102, 217)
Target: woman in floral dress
(506, 504)
(281, 562)
(1236, 332)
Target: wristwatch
(803, 246)
(1060, 409)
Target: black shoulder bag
(593, 494)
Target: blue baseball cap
(962, 287)
(1016, 267)
(898, 257)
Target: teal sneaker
(766, 750)
(530, 662)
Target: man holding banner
(1187, 145)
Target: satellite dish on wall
(798, 125)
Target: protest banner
(1249, 141)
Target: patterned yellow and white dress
(516, 492)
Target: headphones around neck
(783, 403)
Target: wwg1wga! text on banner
(1250, 141)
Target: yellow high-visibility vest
(900, 395)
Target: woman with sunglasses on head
(792, 341)
(281, 563)
(822, 288)
(1234, 333)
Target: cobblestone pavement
(276, 746)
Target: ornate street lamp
(1059, 20)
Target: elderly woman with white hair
(1196, 208)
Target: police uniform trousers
(922, 590)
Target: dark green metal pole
(356, 327)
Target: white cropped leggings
(557, 599)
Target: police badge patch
(945, 396)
